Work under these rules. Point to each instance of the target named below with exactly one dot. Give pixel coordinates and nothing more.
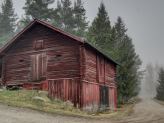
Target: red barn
(44, 57)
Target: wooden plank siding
(97, 71)
(91, 96)
(66, 90)
(62, 56)
(97, 68)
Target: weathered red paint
(65, 89)
(44, 57)
(36, 86)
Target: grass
(25, 99)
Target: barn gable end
(38, 50)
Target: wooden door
(112, 98)
(104, 96)
(38, 67)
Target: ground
(147, 111)
(20, 115)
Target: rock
(40, 99)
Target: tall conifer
(7, 18)
(37, 9)
(80, 18)
(128, 74)
(7, 21)
(99, 31)
(65, 17)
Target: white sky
(143, 18)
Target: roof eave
(107, 57)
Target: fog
(150, 81)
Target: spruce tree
(65, 17)
(37, 9)
(128, 74)
(160, 88)
(7, 18)
(56, 17)
(80, 19)
(7, 21)
(99, 31)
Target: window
(38, 67)
(38, 44)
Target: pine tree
(7, 21)
(99, 31)
(7, 18)
(160, 88)
(80, 19)
(37, 9)
(56, 17)
(128, 74)
(65, 17)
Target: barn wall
(90, 96)
(16, 71)
(65, 89)
(62, 56)
(97, 71)
(113, 98)
(89, 66)
(63, 63)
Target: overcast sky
(143, 18)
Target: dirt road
(146, 111)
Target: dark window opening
(58, 55)
(21, 60)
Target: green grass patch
(38, 100)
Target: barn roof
(36, 21)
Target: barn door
(104, 96)
(112, 98)
(38, 67)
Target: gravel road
(147, 111)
